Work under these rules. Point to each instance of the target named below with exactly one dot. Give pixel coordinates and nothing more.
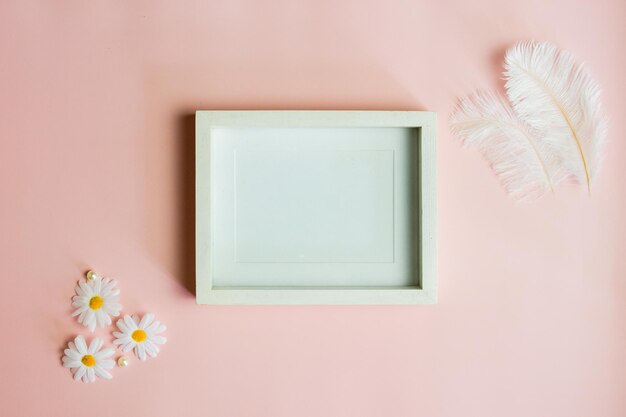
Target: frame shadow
(187, 201)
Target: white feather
(558, 98)
(526, 166)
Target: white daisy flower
(140, 335)
(96, 301)
(88, 362)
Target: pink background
(96, 132)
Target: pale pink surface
(95, 150)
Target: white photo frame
(316, 207)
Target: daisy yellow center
(139, 335)
(88, 360)
(96, 302)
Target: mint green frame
(424, 293)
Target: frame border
(425, 122)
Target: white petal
(79, 291)
(92, 324)
(136, 319)
(111, 292)
(95, 345)
(79, 373)
(140, 351)
(112, 306)
(91, 374)
(71, 353)
(118, 335)
(122, 326)
(81, 346)
(82, 298)
(146, 320)
(151, 348)
(89, 317)
(105, 283)
(130, 323)
(159, 339)
(114, 293)
(122, 340)
(71, 363)
(107, 363)
(78, 311)
(109, 284)
(104, 353)
(128, 347)
(100, 318)
(152, 327)
(86, 289)
(102, 373)
(97, 288)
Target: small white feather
(526, 166)
(559, 99)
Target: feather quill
(526, 166)
(558, 98)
